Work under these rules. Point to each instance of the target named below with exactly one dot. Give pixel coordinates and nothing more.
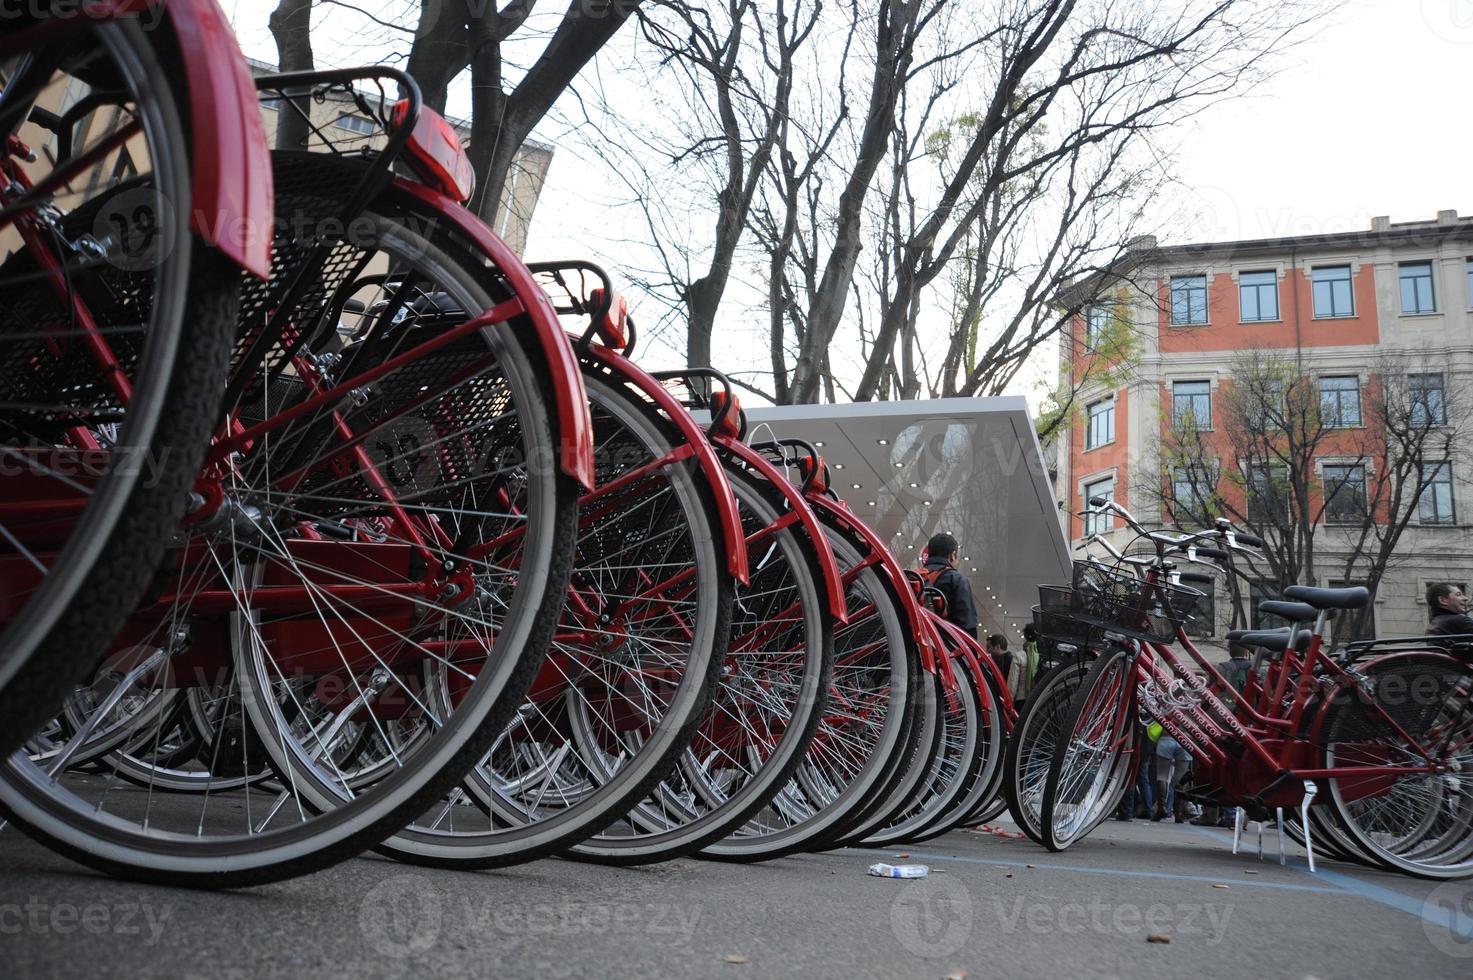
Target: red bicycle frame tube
(892, 570)
(728, 517)
(575, 449)
(832, 578)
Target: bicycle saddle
(1294, 612)
(1354, 597)
(1275, 640)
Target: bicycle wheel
(868, 732)
(984, 790)
(349, 553)
(107, 406)
(1084, 777)
(1093, 762)
(955, 768)
(897, 800)
(632, 666)
(1414, 713)
(766, 707)
(1036, 734)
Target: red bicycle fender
(233, 206)
(892, 571)
(944, 669)
(832, 579)
(575, 452)
(728, 518)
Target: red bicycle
(1383, 742)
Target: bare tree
(735, 63)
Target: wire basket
(1059, 632)
(1118, 600)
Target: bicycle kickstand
(1309, 790)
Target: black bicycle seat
(1275, 640)
(1294, 612)
(1354, 597)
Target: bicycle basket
(1118, 600)
(1054, 620)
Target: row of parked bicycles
(327, 524)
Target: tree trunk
(291, 27)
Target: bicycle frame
(1284, 753)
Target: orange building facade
(1335, 306)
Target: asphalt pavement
(1135, 900)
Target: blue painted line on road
(1446, 916)
(1085, 869)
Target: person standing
(1172, 764)
(997, 646)
(1022, 667)
(940, 572)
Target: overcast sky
(1369, 118)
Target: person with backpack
(940, 572)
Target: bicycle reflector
(728, 423)
(435, 155)
(815, 473)
(611, 328)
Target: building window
(1096, 324)
(1188, 300)
(1101, 428)
(1435, 505)
(1417, 295)
(1258, 296)
(1095, 523)
(1469, 275)
(1340, 402)
(1428, 403)
(1268, 494)
(1331, 287)
(1190, 493)
(1191, 403)
(356, 124)
(1345, 494)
